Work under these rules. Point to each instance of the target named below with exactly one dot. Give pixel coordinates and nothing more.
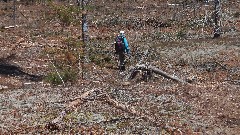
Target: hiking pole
(113, 52)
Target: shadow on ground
(13, 70)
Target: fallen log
(153, 69)
(164, 74)
(74, 102)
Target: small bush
(181, 34)
(66, 75)
(69, 75)
(53, 78)
(99, 58)
(236, 15)
(66, 60)
(66, 14)
(95, 59)
(2, 28)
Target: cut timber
(155, 70)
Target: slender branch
(131, 110)
(56, 70)
(75, 102)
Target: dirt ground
(207, 104)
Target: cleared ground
(209, 104)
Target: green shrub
(69, 76)
(53, 78)
(181, 34)
(66, 75)
(66, 14)
(100, 59)
(2, 28)
(237, 15)
(95, 59)
(66, 61)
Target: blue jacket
(127, 49)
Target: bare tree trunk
(84, 32)
(217, 8)
(14, 13)
(84, 22)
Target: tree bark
(155, 70)
(14, 13)
(84, 32)
(217, 8)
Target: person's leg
(121, 61)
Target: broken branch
(75, 102)
(154, 70)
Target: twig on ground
(128, 109)
(234, 81)
(75, 102)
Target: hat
(121, 32)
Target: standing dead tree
(15, 18)
(84, 21)
(217, 9)
(83, 5)
(197, 9)
(14, 12)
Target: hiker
(121, 48)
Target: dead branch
(120, 106)
(132, 111)
(155, 70)
(164, 74)
(9, 27)
(129, 109)
(234, 81)
(75, 102)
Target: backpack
(119, 44)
